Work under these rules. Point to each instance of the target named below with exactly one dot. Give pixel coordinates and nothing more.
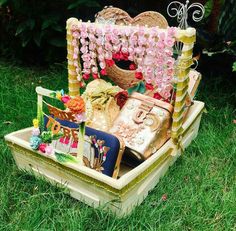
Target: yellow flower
(58, 95)
(36, 123)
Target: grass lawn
(200, 187)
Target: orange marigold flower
(76, 105)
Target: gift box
(130, 185)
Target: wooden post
(73, 83)
(187, 37)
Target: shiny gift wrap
(144, 124)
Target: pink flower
(94, 69)
(160, 44)
(42, 147)
(35, 132)
(169, 42)
(65, 98)
(74, 144)
(80, 117)
(102, 65)
(49, 150)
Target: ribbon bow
(99, 92)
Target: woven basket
(126, 78)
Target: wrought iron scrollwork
(181, 11)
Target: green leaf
(53, 94)
(94, 4)
(57, 42)
(37, 38)
(82, 128)
(234, 66)
(25, 41)
(208, 8)
(26, 25)
(46, 136)
(57, 136)
(40, 117)
(2, 2)
(140, 87)
(88, 3)
(58, 28)
(46, 23)
(64, 158)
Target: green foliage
(57, 135)
(63, 158)
(35, 30)
(218, 32)
(234, 66)
(46, 136)
(227, 21)
(208, 8)
(223, 37)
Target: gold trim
(187, 40)
(89, 179)
(187, 53)
(183, 91)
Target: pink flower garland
(151, 50)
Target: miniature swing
(115, 185)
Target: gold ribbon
(99, 93)
(53, 164)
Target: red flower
(149, 86)
(42, 147)
(116, 56)
(138, 75)
(103, 72)
(82, 84)
(109, 62)
(121, 98)
(125, 56)
(121, 56)
(85, 76)
(157, 96)
(132, 66)
(95, 75)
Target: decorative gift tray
(96, 189)
(148, 113)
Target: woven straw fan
(126, 78)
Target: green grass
(200, 186)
